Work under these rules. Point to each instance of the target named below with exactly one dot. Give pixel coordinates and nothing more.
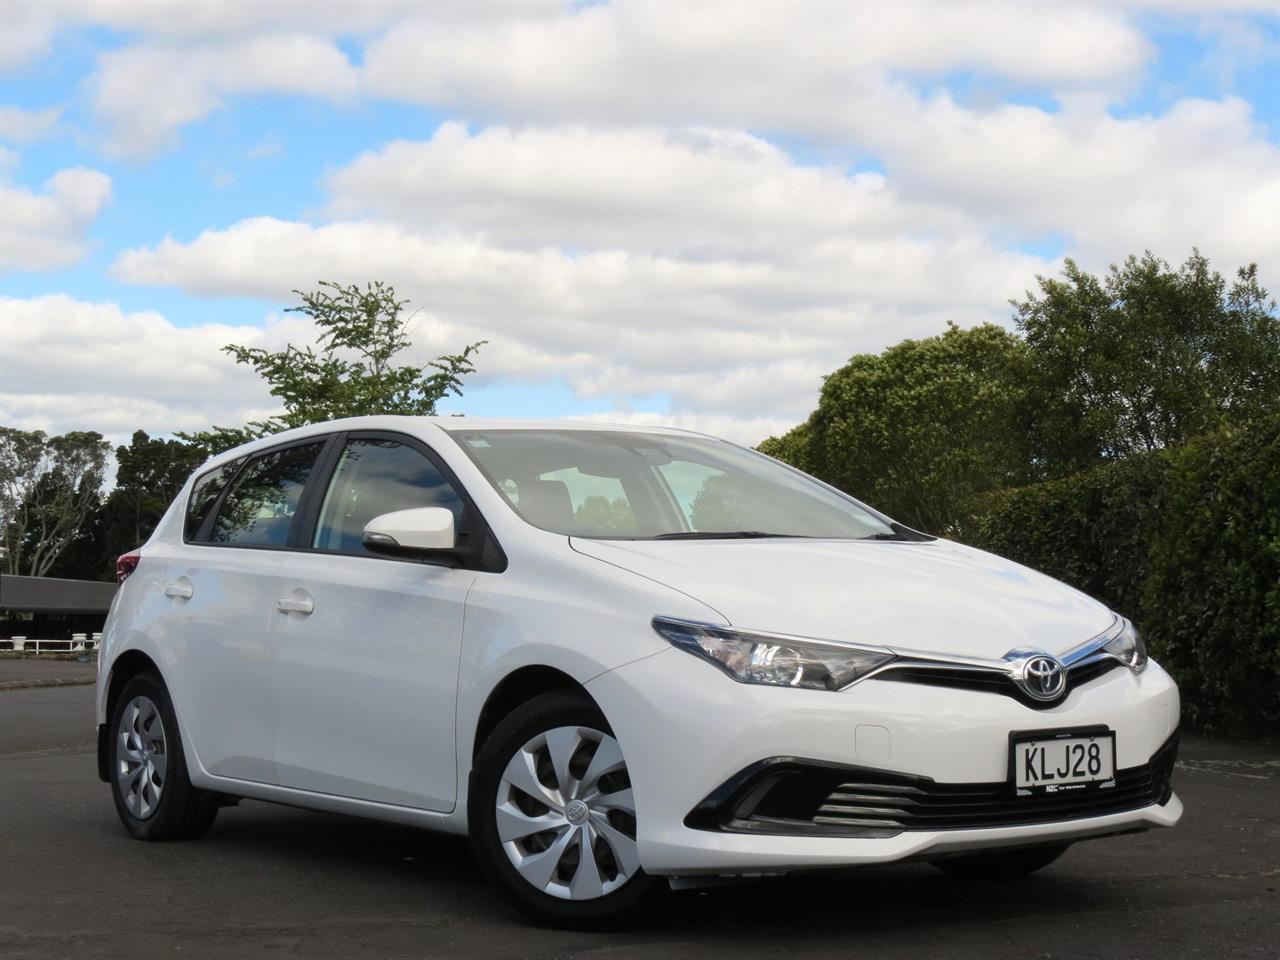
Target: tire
(520, 751)
(153, 794)
(1001, 864)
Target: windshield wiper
(886, 536)
(720, 535)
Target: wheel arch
(519, 687)
(123, 669)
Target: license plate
(1062, 761)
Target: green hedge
(1186, 543)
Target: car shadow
(437, 871)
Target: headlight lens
(1128, 647)
(774, 661)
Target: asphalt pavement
(270, 881)
(46, 671)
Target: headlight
(1128, 647)
(772, 660)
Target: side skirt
(329, 803)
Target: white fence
(77, 643)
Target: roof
(448, 425)
(51, 595)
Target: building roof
(51, 595)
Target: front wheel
(1001, 864)
(552, 815)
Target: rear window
(259, 508)
(205, 494)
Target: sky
(662, 212)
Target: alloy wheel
(566, 815)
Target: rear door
(219, 595)
(365, 649)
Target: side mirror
(410, 533)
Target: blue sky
(684, 213)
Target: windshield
(615, 484)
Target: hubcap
(141, 757)
(566, 816)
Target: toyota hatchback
(618, 658)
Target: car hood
(936, 596)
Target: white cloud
(67, 364)
(24, 126)
(609, 221)
(1200, 174)
(822, 69)
(28, 27)
(709, 266)
(43, 231)
(718, 335)
(701, 192)
(26, 31)
(144, 94)
(71, 365)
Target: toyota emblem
(1043, 677)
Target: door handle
(294, 605)
(178, 591)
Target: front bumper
(686, 729)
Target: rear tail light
(126, 563)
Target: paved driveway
(274, 882)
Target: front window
(376, 477)
(623, 485)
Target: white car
(615, 657)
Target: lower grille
(795, 796)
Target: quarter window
(259, 508)
(205, 494)
(374, 477)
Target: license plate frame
(1093, 732)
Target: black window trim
(487, 555)
(201, 539)
(484, 553)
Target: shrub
(1185, 542)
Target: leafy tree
(599, 513)
(48, 487)
(1144, 358)
(727, 502)
(149, 474)
(353, 373)
(921, 428)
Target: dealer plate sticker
(1053, 764)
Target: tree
(149, 474)
(48, 487)
(1145, 358)
(921, 428)
(353, 373)
(728, 502)
(602, 515)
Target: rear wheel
(153, 795)
(552, 815)
(1001, 864)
